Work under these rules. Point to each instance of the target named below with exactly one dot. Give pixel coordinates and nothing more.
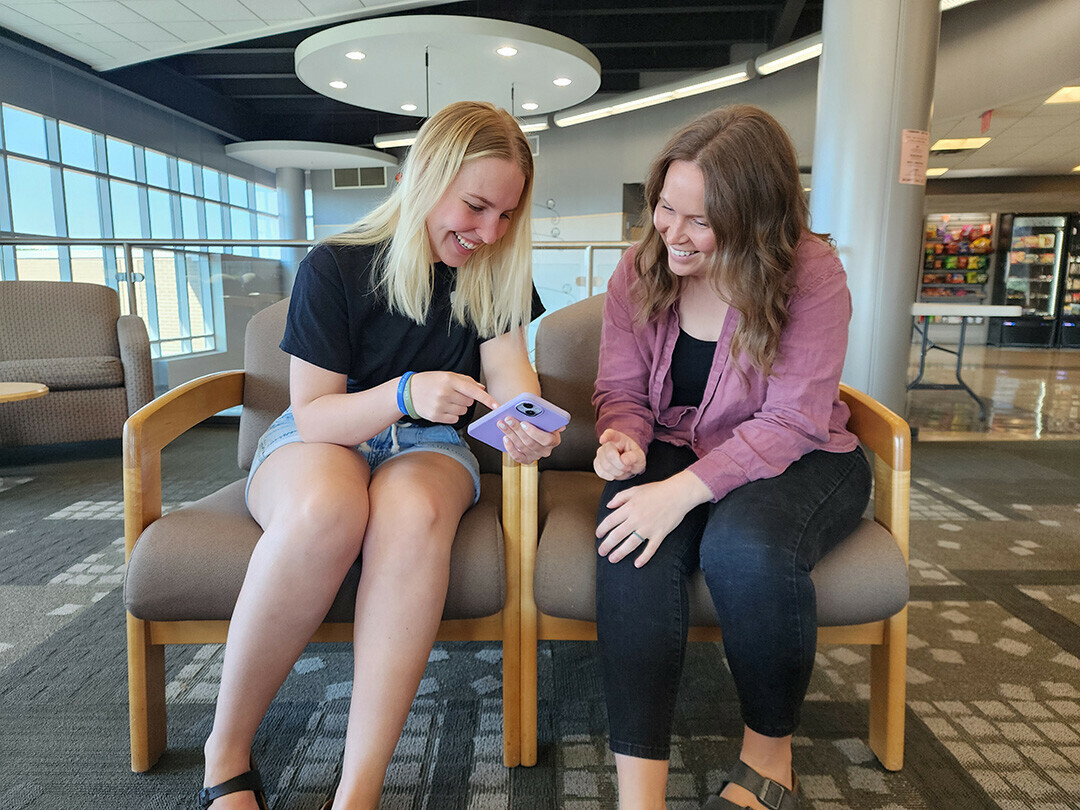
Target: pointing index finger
(474, 390)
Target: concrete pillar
(875, 80)
(292, 218)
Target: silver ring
(639, 537)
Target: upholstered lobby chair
(862, 585)
(185, 569)
(95, 361)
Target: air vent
(373, 177)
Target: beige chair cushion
(190, 564)
(66, 373)
(564, 585)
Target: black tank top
(690, 364)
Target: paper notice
(914, 156)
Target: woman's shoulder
(624, 274)
(816, 261)
(349, 261)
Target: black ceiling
(250, 90)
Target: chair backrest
(266, 378)
(53, 319)
(567, 355)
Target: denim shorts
(396, 440)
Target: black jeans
(756, 546)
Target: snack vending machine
(1068, 335)
(1033, 266)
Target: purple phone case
(550, 418)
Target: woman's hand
(618, 457)
(527, 443)
(647, 514)
(443, 396)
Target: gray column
(292, 218)
(875, 79)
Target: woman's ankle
(224, 761)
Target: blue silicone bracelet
(404, 381)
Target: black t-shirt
(691, 361)
(338, 321)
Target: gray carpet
(993, 679)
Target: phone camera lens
(528, 408)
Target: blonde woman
(724, 440)
(390, 326)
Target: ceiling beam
(785, 24)
(201, 76)
(740, 8)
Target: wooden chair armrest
(889, 438)
(152, 427)
(885, 433)
(530, 482)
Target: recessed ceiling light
(529, 105)
(946, 144)
(408, 107)
(936, 172)
(1066, 95)
(562, 81)
(356, 56)
(506, 50)
(337, 84)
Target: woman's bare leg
(416, 503)
(311, 500)
(769, 756)
(642, 782)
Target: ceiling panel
(242, 53)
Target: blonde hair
(755, 206)
(495, 294)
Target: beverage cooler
(1034, 263)
(1069, 323)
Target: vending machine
(1033, 265)
(1068, 334)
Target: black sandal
(249, 780)
(770, 793)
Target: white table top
(967, 310)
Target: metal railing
(127, 277)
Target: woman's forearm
(348, 419)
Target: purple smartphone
(529, 408)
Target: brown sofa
(95, 361)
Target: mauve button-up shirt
(748, 427)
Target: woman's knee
(317, 509)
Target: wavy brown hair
(755, 206)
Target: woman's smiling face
(476, 210)
(679, 217)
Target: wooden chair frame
(151, 429)
(889, 438)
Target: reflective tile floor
(1029, 394)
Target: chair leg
(146, 696)
(512, 694)
(528, 686)
(888, 689)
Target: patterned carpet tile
(993, 710)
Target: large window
(58, 179)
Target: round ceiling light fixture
(356, 56)
(529, 105)
(562, 81)
(435, 60)
(337, 84)
(408, 107)
(506, 50)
